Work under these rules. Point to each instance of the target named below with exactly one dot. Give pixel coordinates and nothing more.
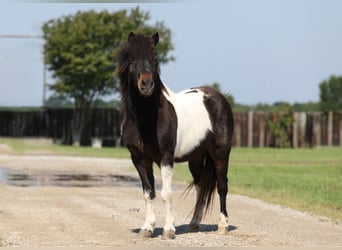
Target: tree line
(330, 99)
(326, 103)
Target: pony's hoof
(222, 230)
(145, 233)
(193, 228)
(169, 235)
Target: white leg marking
(223, 224)
(150, 219)
(166, 195)
(223, 220)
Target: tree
(216, 86)
(229, 97)
(55, 101)
(306, 107)
(331, 94)
(280, 123)
(79, 49)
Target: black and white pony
(195, 125)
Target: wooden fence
(252, 129)
(309, 129)
(56, 124)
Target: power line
(14, 36)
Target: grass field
(304, 179)
(39, 146)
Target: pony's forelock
(133, 47)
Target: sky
(259, 51)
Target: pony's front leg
(145, 170)
(169, 231)
(150, 220)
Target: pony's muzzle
(146, 86)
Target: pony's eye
(132, 66)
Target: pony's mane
(136, 47)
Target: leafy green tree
(55, 101)
(229, 97)
(79, 50)
(306, 107)
(280, 123)
(216, 86)
(331, 94)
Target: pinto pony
(195, 125)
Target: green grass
(33, 146)
(303, 179)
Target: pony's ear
(130, 36)
(155, 38)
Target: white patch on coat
(192, 118)
(166, 195)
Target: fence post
(295, 130)
(262, 131)
(237, 132)
(302, 128)
(330, 128)
(250, 129)
(317, 130)
(340, 125)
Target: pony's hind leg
(198, 213)
(221, 163)
(196, 169)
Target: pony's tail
(207, 186)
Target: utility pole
(19, 36)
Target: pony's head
(138, 62)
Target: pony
(163, 127)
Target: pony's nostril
(147, 83)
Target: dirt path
(98, 202)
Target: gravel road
(75, 201)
